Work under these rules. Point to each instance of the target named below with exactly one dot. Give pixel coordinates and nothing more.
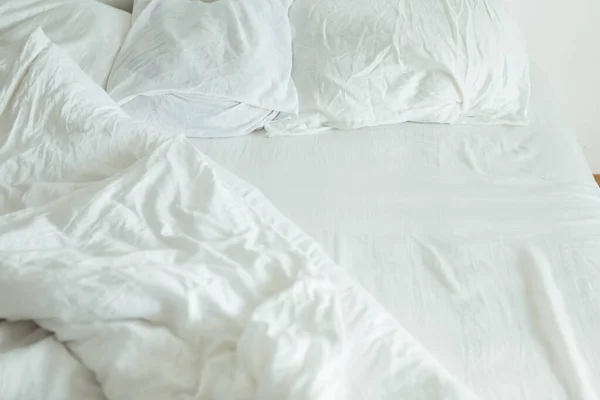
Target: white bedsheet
(155, 277)
(484, 242)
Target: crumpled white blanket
(155, 275)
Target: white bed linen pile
(160, 278)
(90, 32)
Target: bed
(482, 241)
(415, 260)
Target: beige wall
(564, 41)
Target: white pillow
(90, 32)
(366, 63)
(206, 69)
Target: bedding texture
(160, 278)
(206, 68)
(89, 31)
(366, 63)
(482, 241)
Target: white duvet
(131, 269)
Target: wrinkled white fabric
(34, 365)
(90, 32)
(206, 68)
(163, 278)
(366, 63)
(483, 242)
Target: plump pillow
(206, 69)
(365, 63)
(90, 32)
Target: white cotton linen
(206, 69)
(366, 63)
(484, 242)
(89, 31)
(34, 365)
(164, 278)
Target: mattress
(483, 242)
